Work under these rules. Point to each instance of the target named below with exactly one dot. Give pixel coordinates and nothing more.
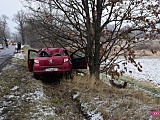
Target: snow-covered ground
(150, 71)
(20, 55)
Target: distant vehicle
(13, 43)
(1, 46)
(54, 61)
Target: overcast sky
(9, 8)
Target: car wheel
(37, 77)
(68, 75)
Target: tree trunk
(23, 37)
(22, 32)
(90, 58)
(93, 60)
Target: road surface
(5, 54)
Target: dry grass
(111, 102)
(146, 86)
(147, 53)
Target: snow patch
(14, 88)
(76, 95)
(20, 56)
(96, 116)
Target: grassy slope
(112, 103)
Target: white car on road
(1, 46)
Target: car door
(79, 60)
(31, 56)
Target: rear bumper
(60, 69)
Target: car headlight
(66, 59)
(36, 61)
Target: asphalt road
(5, 55)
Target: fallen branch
(118, 85)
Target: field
(150, 70)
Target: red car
(54, 61)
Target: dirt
(22, 97)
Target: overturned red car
(54, 61)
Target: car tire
(68, 75)
(37, 77)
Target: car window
(32, 54)
(63, 53)
(58, 54)
(66, 53)
(78, 54)
(43, 54)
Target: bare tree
(4, 30)
(105, 29)
(20, 19)
(40, 23)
